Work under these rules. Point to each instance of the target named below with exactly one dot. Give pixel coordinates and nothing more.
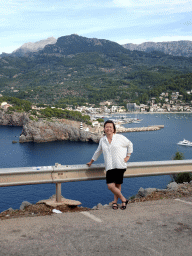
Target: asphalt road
(162, 227)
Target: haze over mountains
(175, 48)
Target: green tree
(181, 177)
(178, 156)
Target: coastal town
(167, 103)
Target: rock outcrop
(173, 190)
(44, 131)
(33, 47)
(13, 119)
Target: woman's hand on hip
(126, 159)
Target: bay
(148, 146)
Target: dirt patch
(39, 210)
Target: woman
(117, 150)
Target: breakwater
(140, 129)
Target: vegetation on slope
(79, 69)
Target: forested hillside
(76, 70)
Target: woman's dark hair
(110, 122)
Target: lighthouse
(81, 127)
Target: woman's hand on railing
(90, 163)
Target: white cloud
(136, 3)
(10, 7)
(154, 7)
(18, 6)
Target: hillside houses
(170, 103)
(167, 103)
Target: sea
(148, 146)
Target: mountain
(33, 47)
(175, 48)
(76, 69)
(67, 45)
(74, 44)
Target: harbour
(121, 121)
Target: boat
(136, 120)
(185, 142)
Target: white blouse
(114, 152)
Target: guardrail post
(58, 192)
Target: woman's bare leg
(115, 197)
(116, 191)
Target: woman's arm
(96, 154)
(128, 144)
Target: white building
(5, 105)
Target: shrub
(88, 123)
(178, 156)
(181, 177)
(11, 109)
(32, 118)
(33, 112)
(100, 120)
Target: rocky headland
(47, 131)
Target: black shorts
(115, 176)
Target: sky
(121, 21)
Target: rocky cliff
(13, 119)
(44, 131)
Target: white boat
(185, 143)
(136, 122)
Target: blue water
(148, 146)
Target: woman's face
(109, 129)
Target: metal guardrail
(68, 173)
